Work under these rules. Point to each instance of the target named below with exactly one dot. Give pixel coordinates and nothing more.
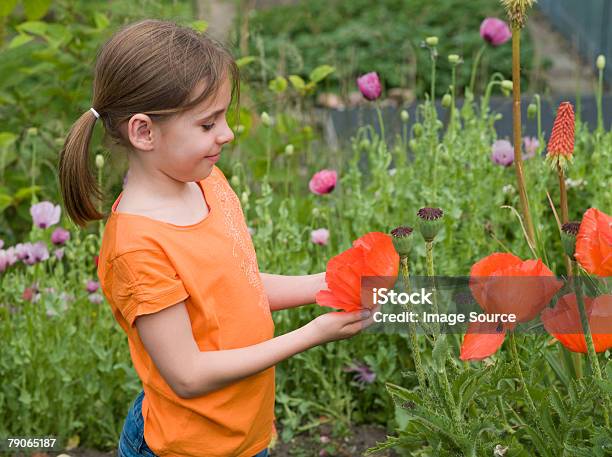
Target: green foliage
(360, 36)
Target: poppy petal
(477, 344)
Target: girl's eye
(208, 127)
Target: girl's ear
(140, 131)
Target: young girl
(177, 264)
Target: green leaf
(6, 7)
(7, 139)
(5, 202)
(20, 40)
(26, 192)
(605, 385)
(200, 25)
(101, 20)
(244, 61)
(297, 82)
(321, 72)
(278, 85)
(35, 9)
(34, 27)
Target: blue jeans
(132, 442)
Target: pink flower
(92, 286)
(319, 236)
(323, 182)
(4, 260)
(35, 253)
(59, 253)
(363, 373)
(11, 256)
(502, 153)
(530, 145)
(495, 31)
(96, 298)
(60, 236)
(369, 85)
(45, 214)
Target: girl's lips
(214, 158)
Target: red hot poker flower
(372, 255)
(594, 243)
(561, 144)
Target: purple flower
(92, 286)
(502, 153)
(4, 260)
(60, 236)
(11, 256)
(530, 146)
(320, 236)
(495, 31)
(59, 253)
(363, 373)
(20, 250)
(369, 85)
(96, 298)
(45, 214)
(35, 253)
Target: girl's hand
(341, 325)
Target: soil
(318, 444)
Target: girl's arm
(290, 291)
(168, 339)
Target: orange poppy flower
(594, 243)
(563, 322)
(503, 283)
(482, 340)
(372, 256)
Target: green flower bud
(532, 110)
(32, 131)
(601, 62)
(99, 161)
(447, 100)
(569, 231)
(289, 150)
(431, 40)
(244, 198)
(235, 181)
(506, 84)
(404, 116)
(453, 59)
(266, 119)
(429, 222)
(316, 212)
(364, 144)
(412, 144)
(418, 130)
(401, 240)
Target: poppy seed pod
(601, 62)
(569, 231)
(429, 222)
(289, 149)
(401, 240)
(266, 119)
(404, 116)
(431, 40)
(453, 59)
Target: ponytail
(77, 182)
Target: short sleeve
(145, 282)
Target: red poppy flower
(563, 322)
(594, 243)
(504, 284)
(373, 257)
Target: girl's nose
(226, 135)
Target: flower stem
(475, 67)
(599, 101)
(451, 122)
(516, 117)
(540, 135)
(381, 124)
(412, 337)
(430, 273)
(564, 210)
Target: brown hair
(152, 67)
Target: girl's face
(191, 143)
(185, 147)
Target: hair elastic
(95, 113)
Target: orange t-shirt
(147, 265)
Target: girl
(177, 264)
